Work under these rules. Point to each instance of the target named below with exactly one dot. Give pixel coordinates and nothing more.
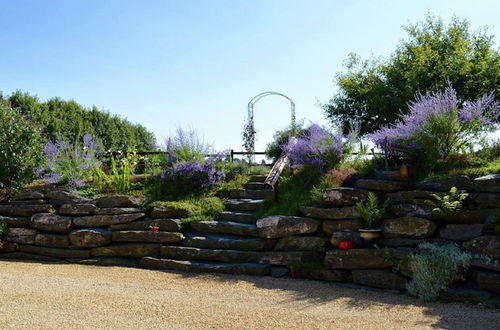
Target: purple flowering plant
(71, 164)
(437, 126)
(319, 148)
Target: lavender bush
(438, 126)
(319, 148)
(186, 146)
(70, 164)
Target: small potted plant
(371, 217)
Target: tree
(376, 91)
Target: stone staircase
(229, 245)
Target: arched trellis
(250, 127)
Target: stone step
(225, 227)
(257, 186)
(228, 242)
(192, 253)
(250, 193)
(241, 216)
(258, 178)
(243, 204)
(200, 267)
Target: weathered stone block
(338, 236)
(21, 235)
(462, 232)
(109, 261)
(484, 199)
(28, 195)
(384, 279)
(420, 197)
(461, 182)
(355, 259)
(162, 224)
(78, 209)
(58, 198)
(147, 236)
(91, 237)
(489, 245)
(281, 226)
(127, 250)
(52, 240)
(8, 247)
(465, 294)
(469, 216)
(331, 226)
(29, 202)
(301, 243)
(408, 227)
(106, 220)
(168, 212)
(488, 281)
(15, 221)
(488, 183)
(403, 241)
(23, 210)
(283, 258)
(411, 210)
(344, 196)
(337, 213)
(120, 201)
(314, 272)
(51, 222)
(382, 185)
(54, 252)
(117, 210)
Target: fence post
(231, 157)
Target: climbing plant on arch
(249, 131)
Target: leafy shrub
(119, 178)
(318, 148)
(448, 204)
(20, 151)
(69, 164)
(437, 127)
(187, 146)
(336, 177)
(371, 213)
(280, 138)
(435, 268)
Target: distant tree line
(70, 121)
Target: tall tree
(375, 91)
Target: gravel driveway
(64, 296)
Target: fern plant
(448, 204)
(371, 213)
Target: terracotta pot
(346, 245)
(154, 229)
(370, 237)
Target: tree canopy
(376, 91)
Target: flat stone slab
(301, 243)
(29, 202)
(420, 197)
(470, 216)
(30, 256)
(331, 226)
(344, 196)
(51, 222)
(24, 210)
(489, 245)
(208, 241)
(238, 216)
(77, 209)
(224, 227)
(130, 250)
(118, 210)
(243, 204)
(52, 240)
(485, 199)
(408, 227)
(162, 224)
(250, 194)
(21, 235)
(58, 198)
(121, 201)
(15, 221)
(382, 185)
(106, 220)
(488, 183)
(488, 281)
(464, 295)
(191, 253)
(337, 213)
(411, 210)
(199, 267)
(91, 237)
(147, 236)
(314, 272)
(355, 259)
(168, 212)
(461, 182)
(8, 247)
(378, 278)
(461, 232)
(285, 258)
(110, 261)
(277, 226)
(28, 195)
(54, 252)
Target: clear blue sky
(197, 63)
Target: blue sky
(198, 63)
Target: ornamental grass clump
(437, 127)
(71, 164)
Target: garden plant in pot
(371, 217)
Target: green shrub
(371, 214)
(4, 229)
(119, 178)
(280, 138)
(435, 268)
(20, 148)
(448, 204)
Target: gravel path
(64, 296)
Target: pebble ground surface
(69, 296)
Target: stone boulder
(331, 226)
(484, 199)
(301, 243)
(411, 210)
(462, 182)
(127, 250)
(147, 236)
(117, 210)
(52, 240)
(489, 245)
(277, 226)
(28, 195)
(337, 213)
(355, 259)
(21, 235)
(488, 281)
(382, 185)
(15, 221)
(120, 201)
(106, 220)
(488, 183)
(462, 232)
(344, 196)
(408, 227)
(465, 294)
(469, 216)
(169, 212)
(6, 247)
(23, 210)
(51, 222)
(54, 252)
(162, 224)
(284, 258)
(316, 272)
(378, 278)
(29, 202)
(58, 198)
(91, 237)
(419, 197)
(77, 209)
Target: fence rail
(232, 153)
